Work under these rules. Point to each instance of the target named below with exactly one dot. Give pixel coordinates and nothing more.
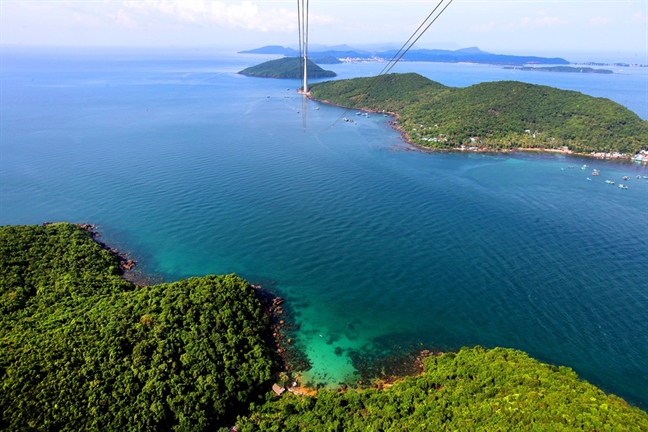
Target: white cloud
(526, 21)
(485, 28)
(550, 22)
(124, 20)
(242, 15)
(85, 19)
(639, 18)
(599, 21)
(542, 21)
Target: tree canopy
(501, 115)
(474, 389)
(83, 349)
(287, 67)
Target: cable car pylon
(302, 20)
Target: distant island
(465, 55)
(288, 67)
(568, 69)
(494, 116)
(84, 349)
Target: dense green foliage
(499, 115)
(474, 389)
(82, 349)
(287, 67)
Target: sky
(529, 27)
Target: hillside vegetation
(474, 389)
(500, 115)
(83, 349)
(287, 67)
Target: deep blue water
(197, 170)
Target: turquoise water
(378, 249)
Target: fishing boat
(622, 186)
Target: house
(278, 389)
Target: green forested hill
(82, 349)
(494, 115)
(287, 67)
(472, 390)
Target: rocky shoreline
(289, 358)
(125, 263)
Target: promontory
(502, 115)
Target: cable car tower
(302, 25)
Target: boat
(622, 186)
(588, 179)
(571, 167)
(626, 178)
(609, 182)
(584, 167)
(595, 173)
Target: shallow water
(378, 250)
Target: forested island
(462, 55)
(84, 349)
(288, 67)
(567, 69)
(493, 116)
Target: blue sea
(379, 249)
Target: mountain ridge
(462, 55)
